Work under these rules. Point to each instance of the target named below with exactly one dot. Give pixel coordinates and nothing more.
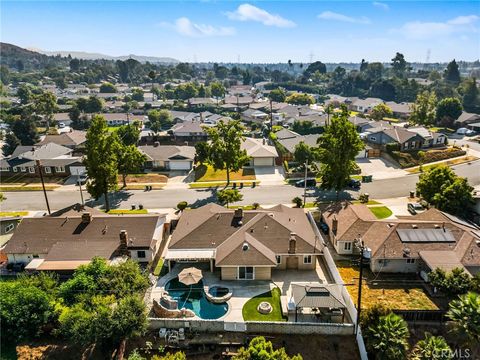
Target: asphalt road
(379, 189)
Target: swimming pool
(193, 298)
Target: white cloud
(247, 12)
(330, 15)
(186, 27)
(426, 30)
(381, 5)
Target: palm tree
(465, 315)
(152, 75)
(432, 347)
(389, 338)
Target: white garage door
(78, 170)
(180, 165)
(263, 162)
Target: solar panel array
(425, 235)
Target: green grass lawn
(381, 212)
(27, 188)
(128, 211)
(207, 173)
(158, 268)
(370, 202)
(250, 312)
(13, 214)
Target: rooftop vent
(406, 252)
(390, 225)
(437, 226)
(245, 247)
(86, 218)
(414, 226)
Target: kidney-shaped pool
(193, 297)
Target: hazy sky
(254, 31)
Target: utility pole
(271, 116)
(361, 246)
(43, 185)
(305, 185)
(80, 185)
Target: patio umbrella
(190, 276)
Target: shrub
(255, 205)
(285, 165)
(363, 198)
(297, 201)
(182, 205)
(391, 147)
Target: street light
(305, 185)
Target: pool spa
(193, 297)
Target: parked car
(310, 183)
(354, 184)
(324, 228)
(61, 125)
(465, 131)
(415, 208)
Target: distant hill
(96, 56)
(19, 58)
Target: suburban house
(400, 110)
(431, 139)
(254, 116)
(7, 227)
(418, 244)
(260, 153)
(188, 131)
(55, 160)
(408, 140)
(168, 157)
(72, 140)
(123, 118)
(288, 140)
(245, 245)
(364, 105)
(67, 239)
(467, 118)
(200, 102)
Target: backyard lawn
(207, 173)
(393, 294)
(381, 212)
(250, 312)
(127, 211)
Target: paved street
(267, 194)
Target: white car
(61, 125)
(465, 131)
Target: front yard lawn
(13, 213)
(250, 312)
(394, 292)
(381, 212)
(457, 161)
(150, 178)
(413, 158)
(207, 173)
(128, 211)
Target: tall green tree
(304, 153)
(130, 160)
(424, 109)
(261, 349)
(471, 98)
(218, 90)
(152, 75)
(159, 119)
(11, 143)
(389, 338)
(277, 95)
(451, 72)
(101, 159)
(399, 65)
(441, 187)
(108, 87)
(300, 99)
(26, 131)
(202, 152)
(129, 134)
(46, 105)
(465, 315)
(381, 111)
(453, 283)
(226, 152)
(448, 110)
(432, 348)
(338, 148)
(25, 94)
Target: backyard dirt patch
(144, 179)
(452, 162)
(19, 181)
(394, 291)
(414, 158)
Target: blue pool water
(193, 298)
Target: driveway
(380, 168)
(270, 175)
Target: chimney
(123, 248)
(238, 214)
(264, 141)
(292, 244)
(334, 225)
(156, 144)
(86, 218)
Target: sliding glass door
(245, 273)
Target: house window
(35, 256)
(48, 169)
(59, 169)
(410, 261)
(307, 259)
(5, 169)
(141, 254)
(412, 144)
(23, 169)
(31, 170)
(279, 259)
(9, 228)
(15, 169)
(373, 138)
(245, 273)
(347, 246)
